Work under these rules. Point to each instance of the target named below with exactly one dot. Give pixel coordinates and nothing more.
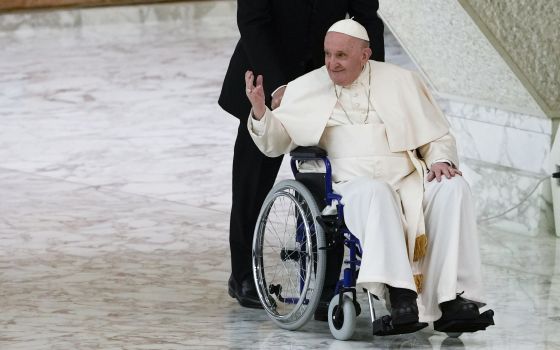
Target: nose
(329, 62)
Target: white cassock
(379, 187)
(372, 212)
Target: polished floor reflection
(115, 173)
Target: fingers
(255, 94)
(249, 82)
(454, 172)
(431, 176)
(276, 100)
(438, 175)
(277, 97)
(250, 87)
(259, 89)
(437, 172)
(450, 172)
(447, 172)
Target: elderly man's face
(345, 56)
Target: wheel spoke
(286, 238)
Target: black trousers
(253, 176)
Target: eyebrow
(335, 52)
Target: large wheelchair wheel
(288, 262)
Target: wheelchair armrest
(324, 178)
(308, 153)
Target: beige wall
(12, 5)
(525, 32)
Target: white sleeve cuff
(257, 126)
(442, 161)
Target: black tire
(288, 265)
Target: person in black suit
(281, 40)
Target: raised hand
(255, 94)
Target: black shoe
(462, 315)
(245, 293)
(459, 309)
(322, 311)
(404, 309)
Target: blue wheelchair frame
(348, 281)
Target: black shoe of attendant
(322, 311)
(245, 293)
(404, 309)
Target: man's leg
(253, 176)
(452, 264)
(335, 257)
(373, 213)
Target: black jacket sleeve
(365, 12)
(257, 29)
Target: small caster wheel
(454, 334)
(342, 319)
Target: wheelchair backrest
(315, 182)
(320, 184)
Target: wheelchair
(290, 242)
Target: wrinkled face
(345, 56)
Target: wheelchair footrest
(383, 326)
(484, 320)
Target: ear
(366, 54)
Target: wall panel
(14, 5)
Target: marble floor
(114, 195)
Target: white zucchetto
(350, 27)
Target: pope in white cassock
(387, 141)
